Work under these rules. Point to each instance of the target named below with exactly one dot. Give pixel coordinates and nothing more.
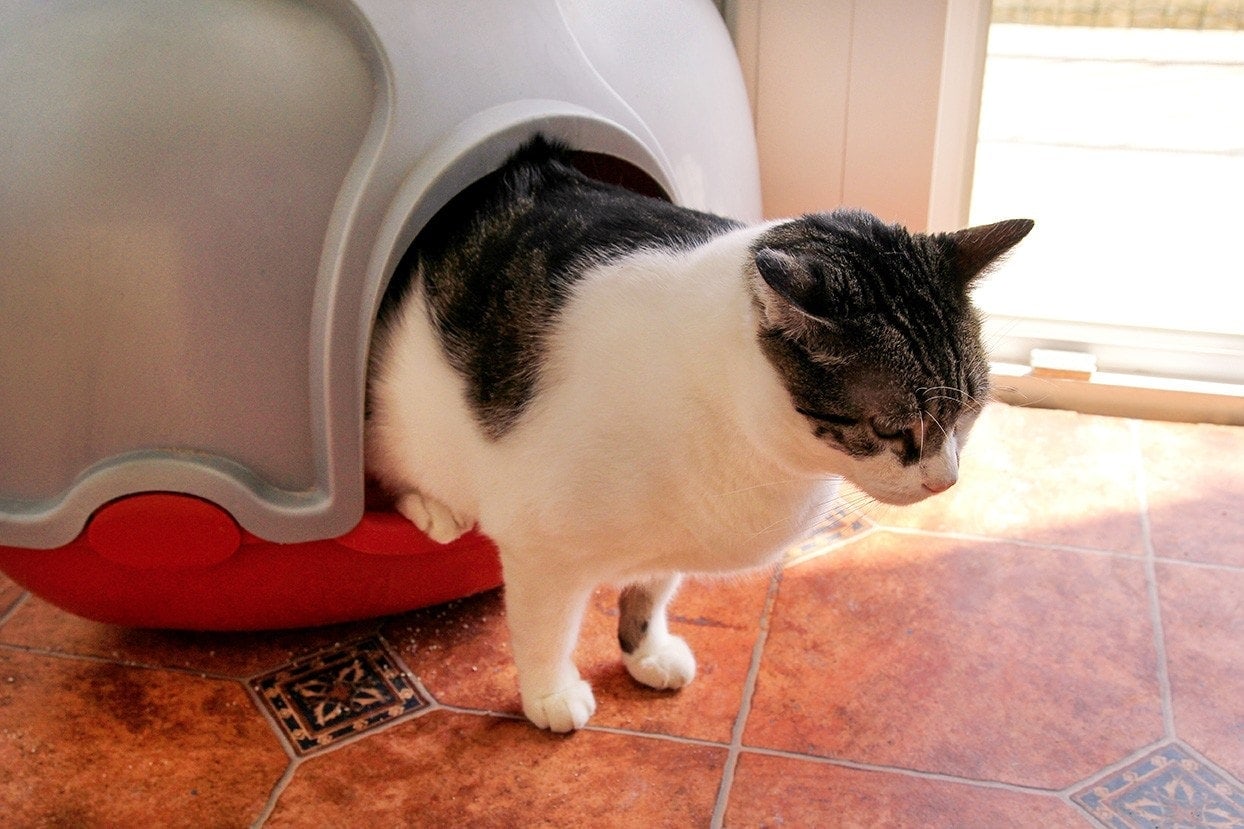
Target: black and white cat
(616, 389)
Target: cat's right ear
(794, 284)
(974, 250)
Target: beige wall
(867, 103)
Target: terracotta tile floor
(1059, 641)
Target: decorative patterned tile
(1167, 789)
(325, 698)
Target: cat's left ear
(973, 250)
(792, 281)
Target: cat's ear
(792, 281)
(973, 250)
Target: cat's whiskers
(844, 504)
(972, 407)
(753, 487)
(990, 345)
(858, 505)
(962, 398)
(939, 425)
(1000, 334)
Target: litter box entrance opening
(600, 166)
(611, 170)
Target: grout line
(1091, 819)
(1114, 768)
(745, 704)
(274, 796)
(1018, 542)
(1022, 542)
(8, 614)
(484, 712)
(1204, 565)
(124, 663)
(395, 654)
(281, 735)
(699, 742)
(1205, 761)
(903, 772)
(1151, 582)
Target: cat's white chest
(636, 446)
(750, 524)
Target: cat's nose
(936, 486)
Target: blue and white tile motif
(1167, 789)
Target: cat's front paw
(666, 664)
(561, 711)
(437, 521)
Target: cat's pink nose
(939, 486)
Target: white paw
(668, 663)
(435, 519)
(561, 711)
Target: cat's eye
(886, 431)
(827, 417)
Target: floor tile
(1195, 487)
(38, 624)
(1167, 788)
(88, 743)
(460, 651)
(467, 770)
(778, 791)
(1203, 621)
(461, 654)
(323, 699)
(1039, 475)
(981, 660)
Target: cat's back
(499, 264)
(462, 349)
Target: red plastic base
(174, 561)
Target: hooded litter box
(201, 205)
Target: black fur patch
(634, 614)
(499, 262)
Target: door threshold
(1121, 395)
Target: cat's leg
(544, 610)
(436, 520)
(650, 652)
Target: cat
(617, 389)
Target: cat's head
(874, 337)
